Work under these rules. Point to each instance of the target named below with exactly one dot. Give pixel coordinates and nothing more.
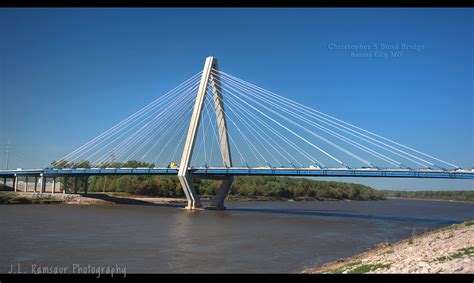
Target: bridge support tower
(184, 176)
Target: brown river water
(273, 236)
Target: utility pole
(7, 152)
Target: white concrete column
(26, 184)
(43, 184)
(183, 175)
(53, 189)
(217, 202)
(36, 184)
(221, 119)
(15, 183)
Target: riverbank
(433, 199)
(446, 250)
(83, 199)
(461, 196)
(8, 197)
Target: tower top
(212, 61)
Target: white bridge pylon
(183, 174)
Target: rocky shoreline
(84, 199)
(446, 250)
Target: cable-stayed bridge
(216, 125)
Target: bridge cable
(126, 144)
(249, 143)
(131, 117)
(321, 114)
(248, 126)
(112, 135)
(277, 133)
(351, 142)
(340, 136)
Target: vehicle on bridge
(173, 165)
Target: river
(273, 236)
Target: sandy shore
(447, 250)
(84, 199)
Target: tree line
(243, 186)
(443, 195)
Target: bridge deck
(260, 171)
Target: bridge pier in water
(217, 202)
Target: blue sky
(69, 74)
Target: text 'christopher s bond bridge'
(221, 126)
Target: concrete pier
(53, 188)
(15, 183)
(217, 202)
(43, 184)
